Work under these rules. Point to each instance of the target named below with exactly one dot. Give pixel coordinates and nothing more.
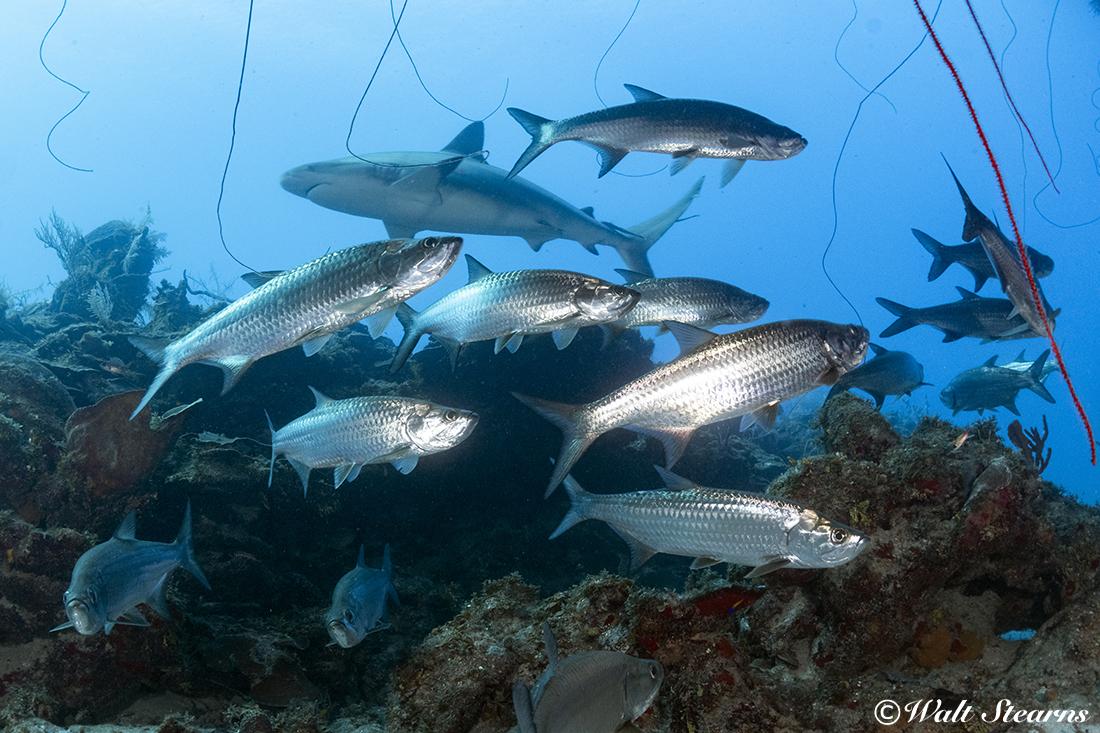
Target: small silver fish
(346, 435)
(684, 128)
(586, 692)
(715, 526)
(694, 301)
(112, 578)
(359, 601)
(305, 306)
(716, 378)
(989, 386)
(508, 306)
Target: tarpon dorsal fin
(476, 270)
(127, 528)
(1020, 356)
(319, 397)
(630, 276)
(641, 94)
(878, 350)
(590, 211)
(688, 337)
(257, 278)
(361, 562)
(967, 294)
(674, 481)
(991, 361)
(470, 140)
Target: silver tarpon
(685, 128)
(110, 580)
(587, 692)
(305, 306)
(455, 190)
(346, 435)
(359, 601)
(507, 306)
(717, 377)
(715, 526)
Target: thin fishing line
(1008, 94)
(1021, 249)
(850, 75)
(840, 156)
(429, 92)
(377, 66)
(233, 140)
(1019, 127)
(1057, 140)
(83, 92)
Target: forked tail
(576, 436)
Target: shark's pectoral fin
(395, 230)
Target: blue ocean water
(162, 76)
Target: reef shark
(456, 190)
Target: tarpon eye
(349, 616)
(450, 415)
(838, 536)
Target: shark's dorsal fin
(470, 140)
(319, 397)
(878, 350)
(127, 528)
(642, 94)
(630, 276)
(476, 269)
(590, 211)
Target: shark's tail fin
(406, 316)
(1035, 377)
(634, 251)
(940, 260)
(903, 312)
(187, 551)
(541, 131)
(576, 436)
(156, 350)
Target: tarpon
(715, 526)
(972, 315)
(716, 378)
(507, 306)
(887, 373)
(1005, 258)
(346, 435)
(359, 601)
(972, 256)
(455, 190)
(587, 692)
(989, 386)
(110, 580)
(684, 128)
(305, 306)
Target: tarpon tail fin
(635, 252)
(271, 471)
(541, 131)
(576, 437)
(406, 316)
(187, 550)
(904, 313)
(940, 261)
(974, 218)
(577, 513)
(1035, 377)
(156, 350)
(521, 703)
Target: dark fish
(305, 306)
(972, 256)
(971, 315)
(586, 692)
(989, 386)
(716, 378)
(714, 526)
(110, 580)
(684, 128)
(455, 190)
(1004, 257)
(508, 306)
(359, 601)
(887, 373)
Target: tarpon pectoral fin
(354, 473)
(731, 169)
(313, 345)
(1014, 331)
(133, 617)
(340, 474)
(639, 551)
(1010, 405)
(158, 599)
(521, 704)
(377, 323)
(681, 159)
(356, 306)
(674, 440)
(510, 341)
(689, 338)
(703, 562)
(563, 337)
(62, 627)
(770, 566)
(256, 279)
(395, 230)
(766, 416)
(405, 465)
(641, 94)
